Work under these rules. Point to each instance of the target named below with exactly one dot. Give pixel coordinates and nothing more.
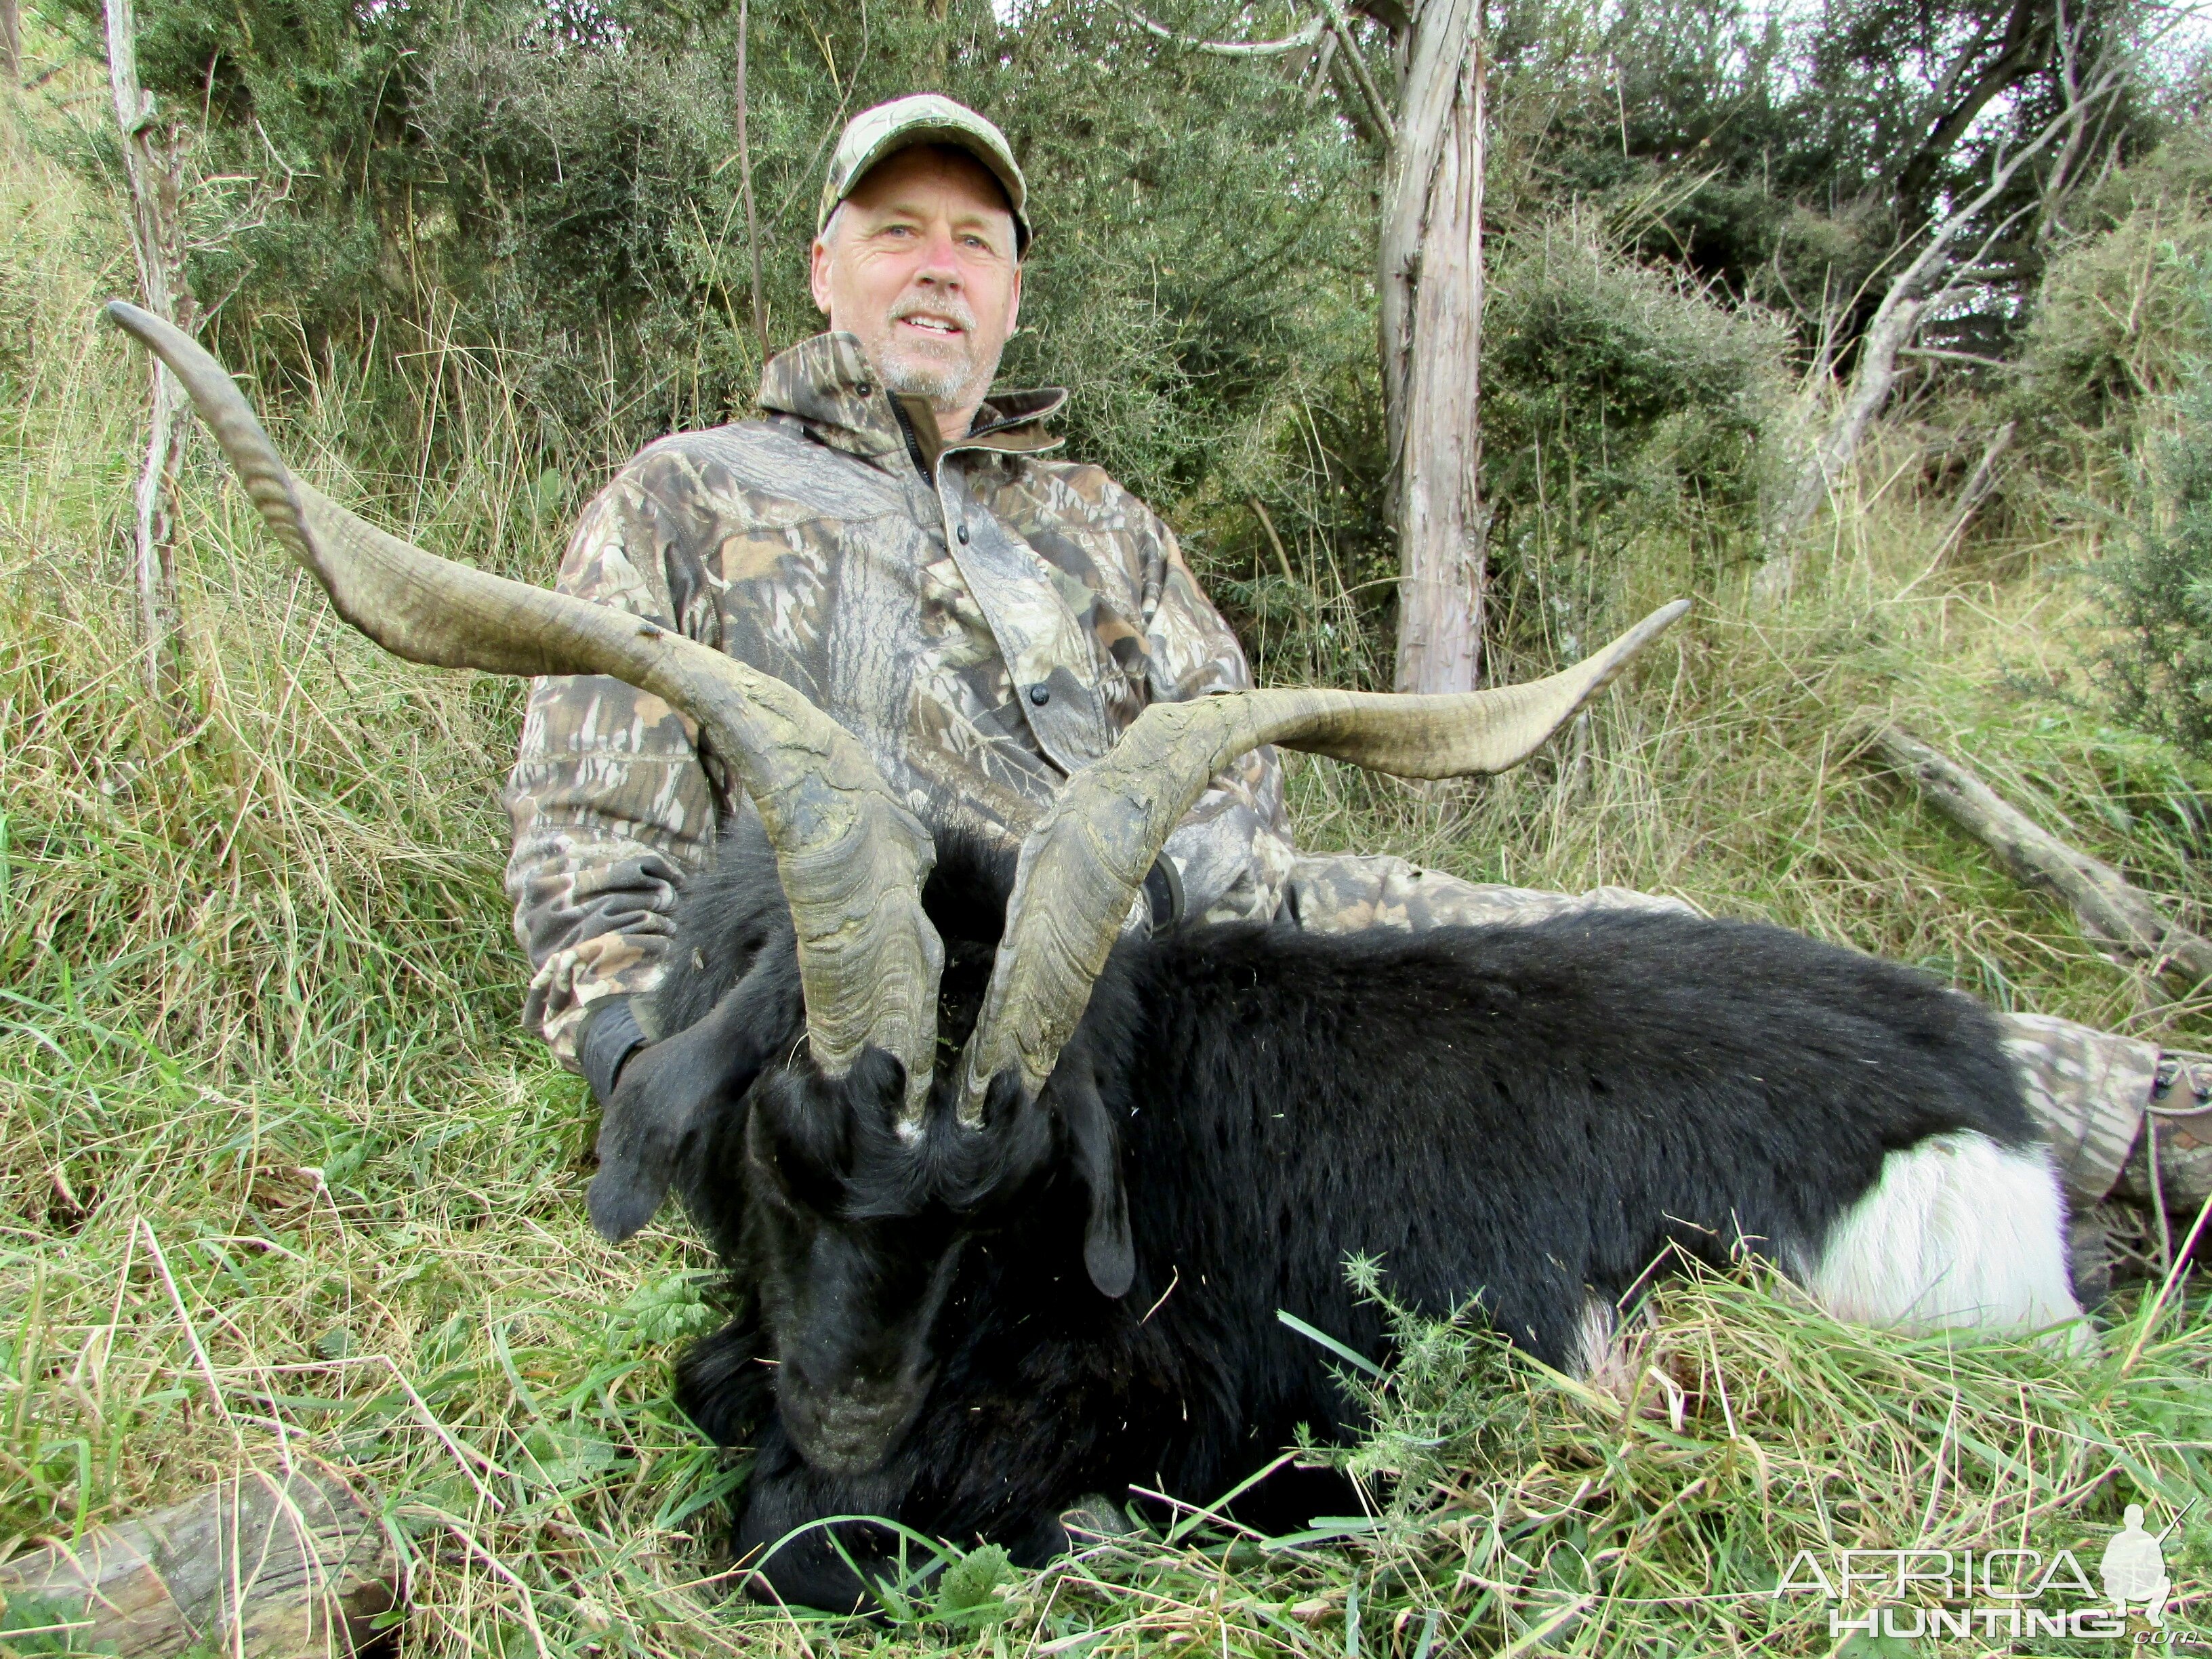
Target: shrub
(2158, 587)
(2118, 319)
(1619, 403)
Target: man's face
(919, 263)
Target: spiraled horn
(852, 858)
(1081, 867)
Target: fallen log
(265, 1567)
(2113, 909)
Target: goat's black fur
(1531, 1116)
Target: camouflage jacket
(984, 619)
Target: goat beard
(946, 373)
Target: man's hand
(673, 1097)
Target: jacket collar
(826, 384)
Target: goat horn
(1083, 864)
(851, 856)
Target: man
(896, 543)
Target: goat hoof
(1094, 1517)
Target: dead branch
(1319, 70)
(1945, 354)
(1935, 276)
(2112, 909)
(1308, 36)
(1981, 481)
(265, 1566)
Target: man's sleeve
(609, 804)
(1233, 848)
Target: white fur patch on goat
(1959, 1232)
(1594, 1349)
(1608, 1345)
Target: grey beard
(941, 383)
(947, 385)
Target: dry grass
(282, 1180)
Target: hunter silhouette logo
(2134, 1567)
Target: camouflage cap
(923, 118)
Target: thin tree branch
(1949, 357)
(1319, 69)
(745, 184)
(1310, 36)
(1267, 523)
(1385, 122)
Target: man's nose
(940, 262)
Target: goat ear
(1108, 1253)
(673, 1092)
(645, 1130)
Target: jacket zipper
(912, 444)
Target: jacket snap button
(962, 531)
(1040, 695)
(864, 390)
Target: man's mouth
(936, 325)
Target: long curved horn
(1082, 866)
(852, 858)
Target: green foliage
(1784, 154)
(30, 1625)
(552, 198)
(2158, 585)
(2119, 316)
(669, 1310)
(1619, 400)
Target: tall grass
(284, 1180)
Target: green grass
(281, 1178)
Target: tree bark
(11, 42)
(157, 239)
(1431, 276)
(262, 1567)
(2112, 909)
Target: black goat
(1533, 1117)
(994, 1276)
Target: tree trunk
(11, 42)
(262, 1567)
(157, 239)
(1430, 275)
